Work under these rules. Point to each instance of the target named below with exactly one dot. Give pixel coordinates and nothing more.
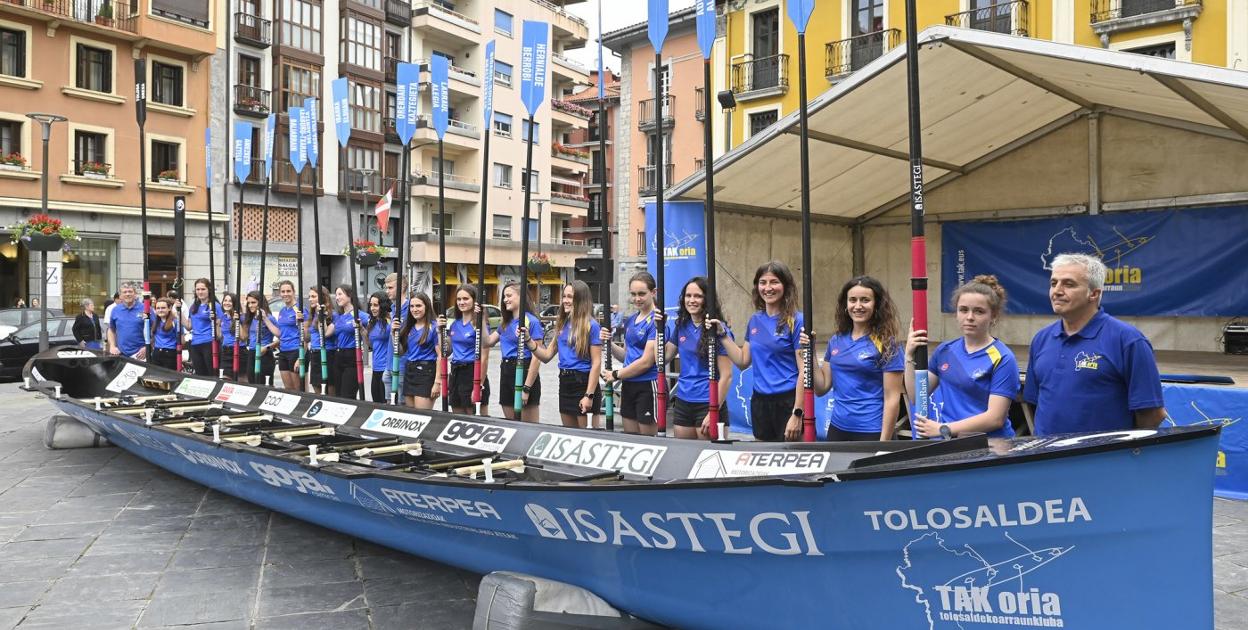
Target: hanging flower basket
(42, 233)
(539, 263)
(366, 253)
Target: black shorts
(418, 379)
(166, 358)
(226, 361)
(461, 386)
(314, 366)
(840, 435)
(247, 364)
(507, 386)
(572, 386)
(689, 414)
(287, 359)
(638, 400)
(770, 413)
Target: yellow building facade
(760, 64)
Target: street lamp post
(46, 121)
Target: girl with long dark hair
(289, 324)
(318, 300)
(531, 395)
(257, 321)
(164, 335)
(637, 372)
(578, 343)
(418, 340)
(690, 338)
(463, 335)
(379, 344)
(229, 310)
(344, 372)
(198, 318)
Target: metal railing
(249, 99)
(358, 183)
(561, 11)
(1009, 18)
(569, 63)
(284, 175)
(646, 112)
(390, 126)
(457, 182)
(452, 125)
(847, 55)
(762, 73)
(646, 184)
(433, 8)
(1106, 10)
(252, 29)
(398, 12)
(699, 105)
(256, 176)
(125, 15)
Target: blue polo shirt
(1093, 380)
(772, 347)
(858, 381)
(967, 379)
(693, 385)
(507, 336)
(379, 339)
(314, 331)
(127, 325)
(463, 341)
(568, 359)
(639, 331)
(289, 327)
(344, 329)
(165, 339)
(201, 321)
(417, 351)
(257, 328)
(227, 329)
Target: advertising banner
(534, 53)
(1227, 406)
(242, 150)
(684, 247)
(439, 93)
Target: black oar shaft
(604, 289)
(808, 285)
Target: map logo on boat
(625, 457)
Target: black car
(18, 347)
(13, 318)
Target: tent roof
(983, 95)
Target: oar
(535, 37)
(604, 284)
(311, 109)
(140, 114)
(488, 95)
(269, 131)
(918, 240)
(799, 12)
(706, 40)
(297, 155)
(439, 67)
(212, 265)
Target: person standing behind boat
(379, 345)
(316, 297)
(418, 340)
(771, 346)
(198, 318)
(863, 364)
(578, 343)
(257, 322)
(106, 321)
(344, 373)
(289, 323)
(463, 334)
(531, 395)
(228, 313)
(125, 326)
(87, 330)
(1088, 371)
(637, 371)
(164, 335)
(974, 378)
(689, 338)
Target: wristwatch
(799, 412)
(615, 374)
(945, 431)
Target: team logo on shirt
(864, 356)
(944, 367)
(836, 351)
(1085, 361)
(754, 331)
(682, 339)
(978, 374)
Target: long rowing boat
(1064, 531)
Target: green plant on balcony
(12, 162)
(95, 169)
(366, 253)
(104, 15)
(254, 104)
(569, 151)
(170, 176)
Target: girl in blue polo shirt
(689, 409)
(638, 394)
(863, 364)
(974, 378)
(257, 323)
(164, 335)
(228, 314)
(289, 321)
(579, 346)
(199, 319)
(418, 341)
(379, 342)
(345, 371)
(772, 347)
(531, 394)
(463, 335)
(316, 322)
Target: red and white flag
(383, 210)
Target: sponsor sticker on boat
(236, 394)
(329, 411)
(128, 377)
(718, 464)
(475, 435)
(625, 457)
(395, 423)
(75, 354)
(195, 388)
(280, 403)
(298, 480)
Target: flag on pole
(383, 209)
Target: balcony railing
(562, 11)
(765, 74)
(256, 176)
(389, 126)
(124, 16)
(646, 184)
(398, 12)
(577, 199)
(847, 55)
(568, 63)
(458, 127)
(436, 9)
(284, 175)
(251, 29)
(646, 113)
(1106, 10)
(392, 69)
(358, 183)
(457, 182)
(571, 108)
(566, 153)
(699, 105)
(1009, 18)
(250, 100)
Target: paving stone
(1230, 612)
(99, 615)
(287, 575)
(238, 624)
(36, 549)
(214, 581)
(197, 608)
(148, 510)
(117, 541)
(34, 569)
(83, 589)
(22, 593)
(186, 559)
(9, 617)
(301, 548)
(339, 620)
(275, 602)
(1229, 577)
(448, 615)
(388, 593)
(124, 563)
(54, 532)
(1229, 540)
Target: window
(446, 167)
(594, 243)
(366, 106)
(392, 106)
(12, 52)
(531, 177)
(868, 16)
(502, 227)
(89, 147)
(11, 138)
(95, 69)
(301, 25)
(1164, 51)
(363, 157)
(298, 82)
(164, 158)
(167, 83)
(394, 45)
(502, 124)
(652, 143)
(502, 175)
(537, 131)
(248, 71)
(665, 76)
(361, 45)
(762, 120)
(594, 217)
(502, 73)
(534, 229)
(502, 22)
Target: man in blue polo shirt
(1088, 371)
(125, 326)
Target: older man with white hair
(1089, 371)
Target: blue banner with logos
(310, 110)
(342, 110)
(1227, 406)
(208, 157)
(270, 130)
(407, 96)
(242, 150)
(534, 53)
(799, 13)
(487, 86)
(705, 17)
(297, 150)
(684, 243)
(656, 27)
(439, 93)
(1171, 262)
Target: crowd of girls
(867, 361)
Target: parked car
(550, 313)
(13, 318)
(492, 313)
(20, 345)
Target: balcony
(398, 12)
(699, 106)
(460, 136)
(392, 69)
(123, 16)
(646, 184)
(1109, 16)
(646, 114)
(573, 199)
(848, 55)
(565, 68)
(564, 25)
(761, 78)
(433, 19)
(252, 30)
(461, 80)
(390, 127)
(596, 176)
(256, 176)
(359, 185)
(455, 187)
(1008, 18)
(250, 100)
(285, 178)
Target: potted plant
(95, 170)
(366, 253)
(539, 263)
(42, 233)
(104, 16)
(12, 162)
(169, 176)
